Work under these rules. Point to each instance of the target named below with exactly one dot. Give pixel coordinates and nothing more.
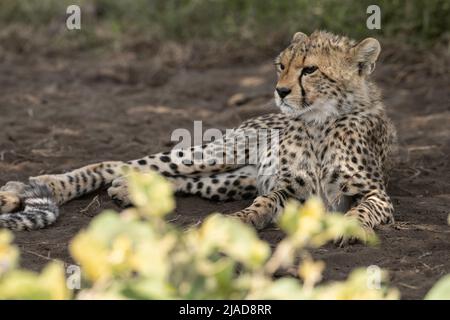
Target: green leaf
(151, 193)
(50, 284)
(235, 239)
(8, 253)
(441, 290)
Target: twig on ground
(407, 286)
(426, 254)
(174, 219)
(94, 204)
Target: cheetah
(332, 139)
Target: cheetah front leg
(10, 196)
(375, 208)
(264, 209)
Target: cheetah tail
(39, 210)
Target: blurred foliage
(137, 254)
(22, 284)
(441, 290)
(258, 23)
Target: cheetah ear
(299, 37)
(366, 54)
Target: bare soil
(59, 112)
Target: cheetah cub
(333, 140)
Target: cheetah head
(324, 75)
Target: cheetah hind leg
(10, 196)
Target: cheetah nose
(283, 92)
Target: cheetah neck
(320, 112)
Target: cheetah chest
(304, 165)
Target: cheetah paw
(10, 199)
(251, 218)
(119, 192)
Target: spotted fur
(39, 209)
(334, 142)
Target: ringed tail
(39, 210)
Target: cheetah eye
(280, 65)
(309, 70)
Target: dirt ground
(61, 112)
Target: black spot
(142, 162)
(324, 151)
(164, 159)
(222, 190)
(290, 190)
(231, 193)
(93, 182)
(247, 196)
(334, 177)
(215, 197)
(300, 181)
